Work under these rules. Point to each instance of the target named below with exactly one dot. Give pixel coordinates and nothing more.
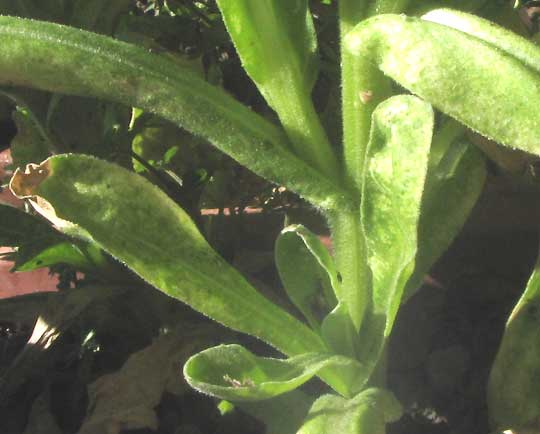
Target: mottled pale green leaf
(141, 226)
(513, 395)
(366, 413)
(432, 60)
(233, 373)
(55, 58)
(394, 178)
(307, 271)
(452, 188)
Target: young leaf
(307, 271)
(54, 58)
(310, 278)
(138, 224)
(431, 60)
(513, 395)
(452, 188)
(277, 44)
(338, 331)
(366, 413)
(394, 177)
(233, 373)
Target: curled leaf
(431, 59)
(233, 373)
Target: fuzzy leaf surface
(431, 59)
(277, 43)
(233, 373)
(366, 413)
(55, 58)
(307, 271)
(394, 178)
(155, 238)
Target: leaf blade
(233, 373)
(429, 59)
(53, 57)
(396, 167)
(98, 196)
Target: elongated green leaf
(277, 44)
(431, 60)
(55, 58)
(138, 224)
(276, 41)
(513, 395)
(233, 373)
(396, 167)
(452, 188)
(366, 413)
(307, 271)
(61, 253)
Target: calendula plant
(395, 192)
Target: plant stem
(306, 133)
(363, 87)
(350, 256)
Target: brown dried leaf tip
(23, 184)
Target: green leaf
(307, 271)
(431, 59)
(142, 227)
(310, 278)
(61, 253)
(54, 58)
(394, 177)
(366, 413)
(338, 331)
(513, 395)
(276, 42)
(452, 188)
(233, 373)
